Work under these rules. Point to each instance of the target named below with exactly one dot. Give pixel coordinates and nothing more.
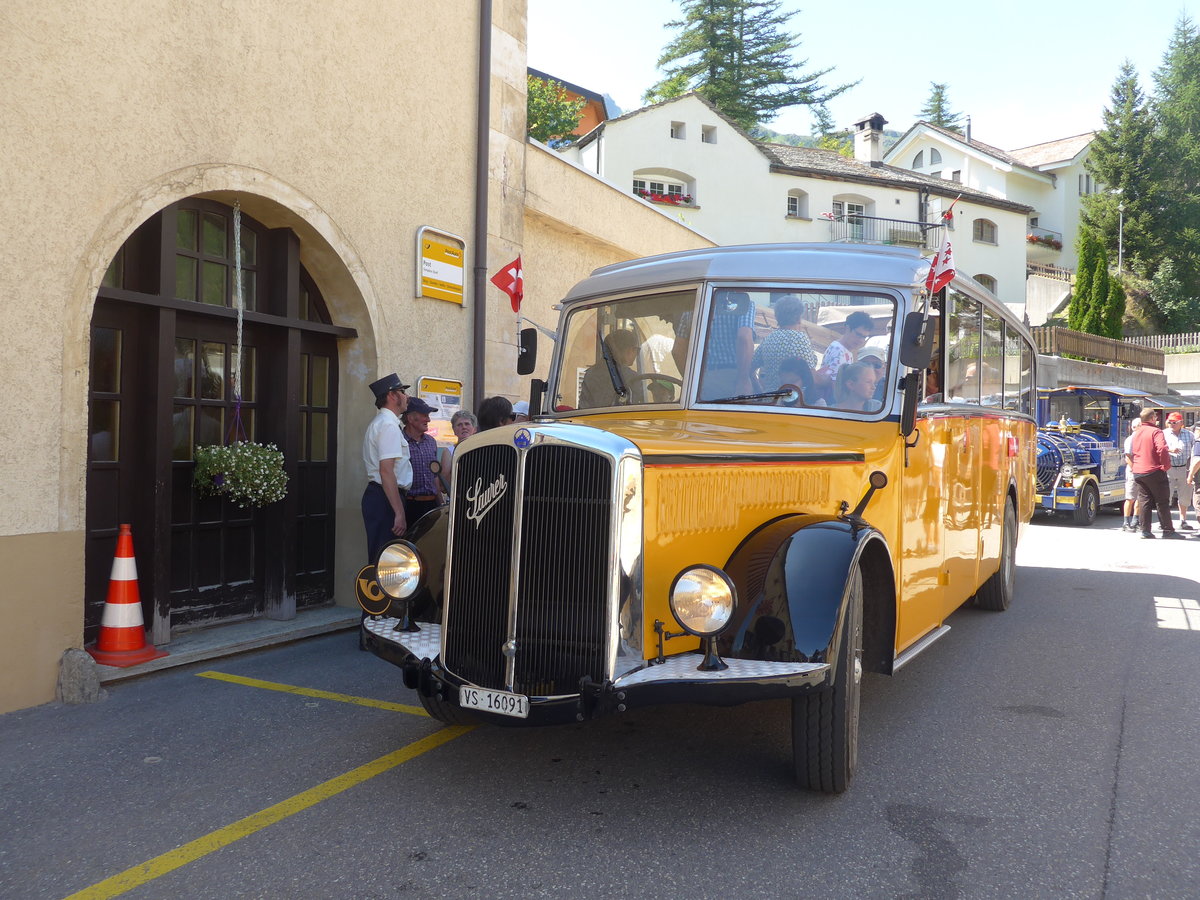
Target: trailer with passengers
(690, 517)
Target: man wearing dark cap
(389, 470)
(422, 450)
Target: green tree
(1122, 158)
(1180, 311)
(1114, 310)
(551, 114)
(1081, 293)
(936, 110)
(1177, 110)
(737, 54)
(1094, 319)
(828, 136)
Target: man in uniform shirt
(389, 471)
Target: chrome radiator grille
(561, 570)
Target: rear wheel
(1089, 505)
(996, 593)
(825, 722)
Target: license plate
(500, 702)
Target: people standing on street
(1128, 508)
(1179, 445)
(389, 470)
(1193, 475)
(422, 496)
(494, 412)
(1151, 461)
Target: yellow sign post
(441, 255)
(446, 395)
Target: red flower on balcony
(1045, 240)
(671, 199)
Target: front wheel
(825, 722)
(1088, 506)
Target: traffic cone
(122, 640)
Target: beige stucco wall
(354, 125)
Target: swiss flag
(941, 270)
(511, 280)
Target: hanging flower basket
(245, 473)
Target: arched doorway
(164, 331)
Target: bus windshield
(801, 349)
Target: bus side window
(963, 362)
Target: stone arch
(326, 253)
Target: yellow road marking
(310, 692)
(222, 837)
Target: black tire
(1089, 505)
(997, 592)
(447, 712)
(825, 722)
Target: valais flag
(941, 270)
(511, 280)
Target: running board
(916, 649)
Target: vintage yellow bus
(756, 472)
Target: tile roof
(830, 164)
(1053, 151)
(995, 152)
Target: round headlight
(1068, 471)
(702, 600)
(399, 570)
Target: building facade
(685, 157)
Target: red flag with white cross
(511, 280)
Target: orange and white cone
(122, 640)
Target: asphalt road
(1048, 751)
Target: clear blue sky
(1024, 72)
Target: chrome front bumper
(677, 679)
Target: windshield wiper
(614, 373)
(792, 396)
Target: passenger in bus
(874, 357)
(788, 340)
(858, 329)
(598, 389)
(730, 347)
(856, 388)
(795, 371)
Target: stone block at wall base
(78, 679)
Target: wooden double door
(161, 384)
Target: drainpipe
(482, 128)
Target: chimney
(868, 139)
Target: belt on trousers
(422, 497)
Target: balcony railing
(1044, 237)
(1055, 341)
(1058, 273)
(874, 230)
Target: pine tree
(1094, 321)
(551, 114)
(737, 55)
(1114, 309)
(936, 110)
(1121, 158)
(1177, 109)
(829, 137)
(1081, 294)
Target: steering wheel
(658, 376)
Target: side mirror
(916, 341)
(527, 353)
